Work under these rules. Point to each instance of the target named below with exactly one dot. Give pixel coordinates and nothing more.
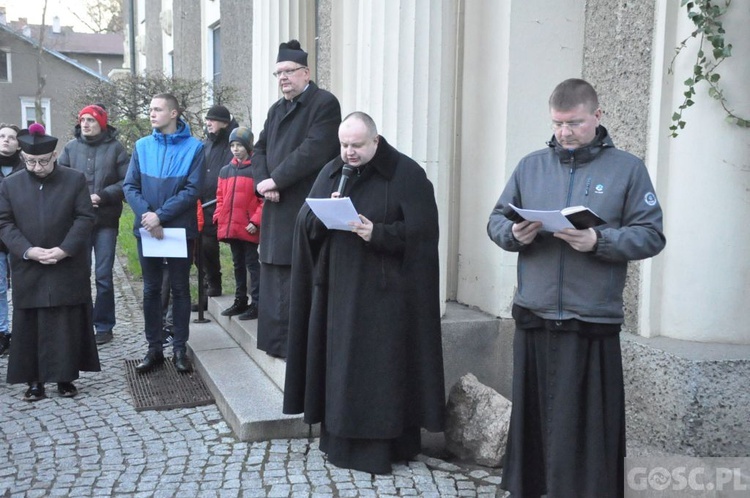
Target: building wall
(153, 35)
(109, 62)
(514, 54)
(704, 278)
(237, 56)
(189, 42)
(62, 80)
(464, 91)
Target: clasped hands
(150, 221)
(46, 256)
(580, 240)
(268, 189)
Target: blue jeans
(4, 293)
(245, 260)
(103, 243)
(179, 279)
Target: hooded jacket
(555, 281)
(165, 176)
(104, 162)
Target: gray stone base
(687, 398)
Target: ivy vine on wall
(712, 51)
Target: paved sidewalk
(96, 444)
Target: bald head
(358, 136)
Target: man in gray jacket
(567, 430)
(98, 154)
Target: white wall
(705, 269)
(515, 53)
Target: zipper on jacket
(235, 173)
(572, 174)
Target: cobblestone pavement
(96, 444)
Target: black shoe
(239, 306)
(152, 360)
(103, 337)
(66, 389)
(181, 362)
(213, 290)
(4, 343)
(251, 313)
(35, 392)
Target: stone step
(248, 384)
(248, 398)
(245, 333)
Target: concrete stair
(248, 384)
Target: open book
(571, 217)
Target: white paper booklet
(173, 245)
(334, 213)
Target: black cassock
(53, 332)
(365, 351)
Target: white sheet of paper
(334, 213)
(173, 245)
(552, 221)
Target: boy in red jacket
(237, 217)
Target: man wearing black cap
(299, 137)
(219, 124)
(46, 218)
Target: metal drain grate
(165, 388)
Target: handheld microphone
(346, 172)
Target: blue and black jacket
(165, 176)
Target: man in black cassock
(46, 218)
(298, 138)
(365, 353)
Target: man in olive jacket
(98, 154)
(299, 137)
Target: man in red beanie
(98, 154)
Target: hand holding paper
(172, 245)
(336, 214)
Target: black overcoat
(104, 162)
(292, 148)
(365, 350)
(55, 211)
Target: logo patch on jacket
(599, 189)
(650, 198)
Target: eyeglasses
(40, 162)
(287, 72)
(557, 126)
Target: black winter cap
(219, 113)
